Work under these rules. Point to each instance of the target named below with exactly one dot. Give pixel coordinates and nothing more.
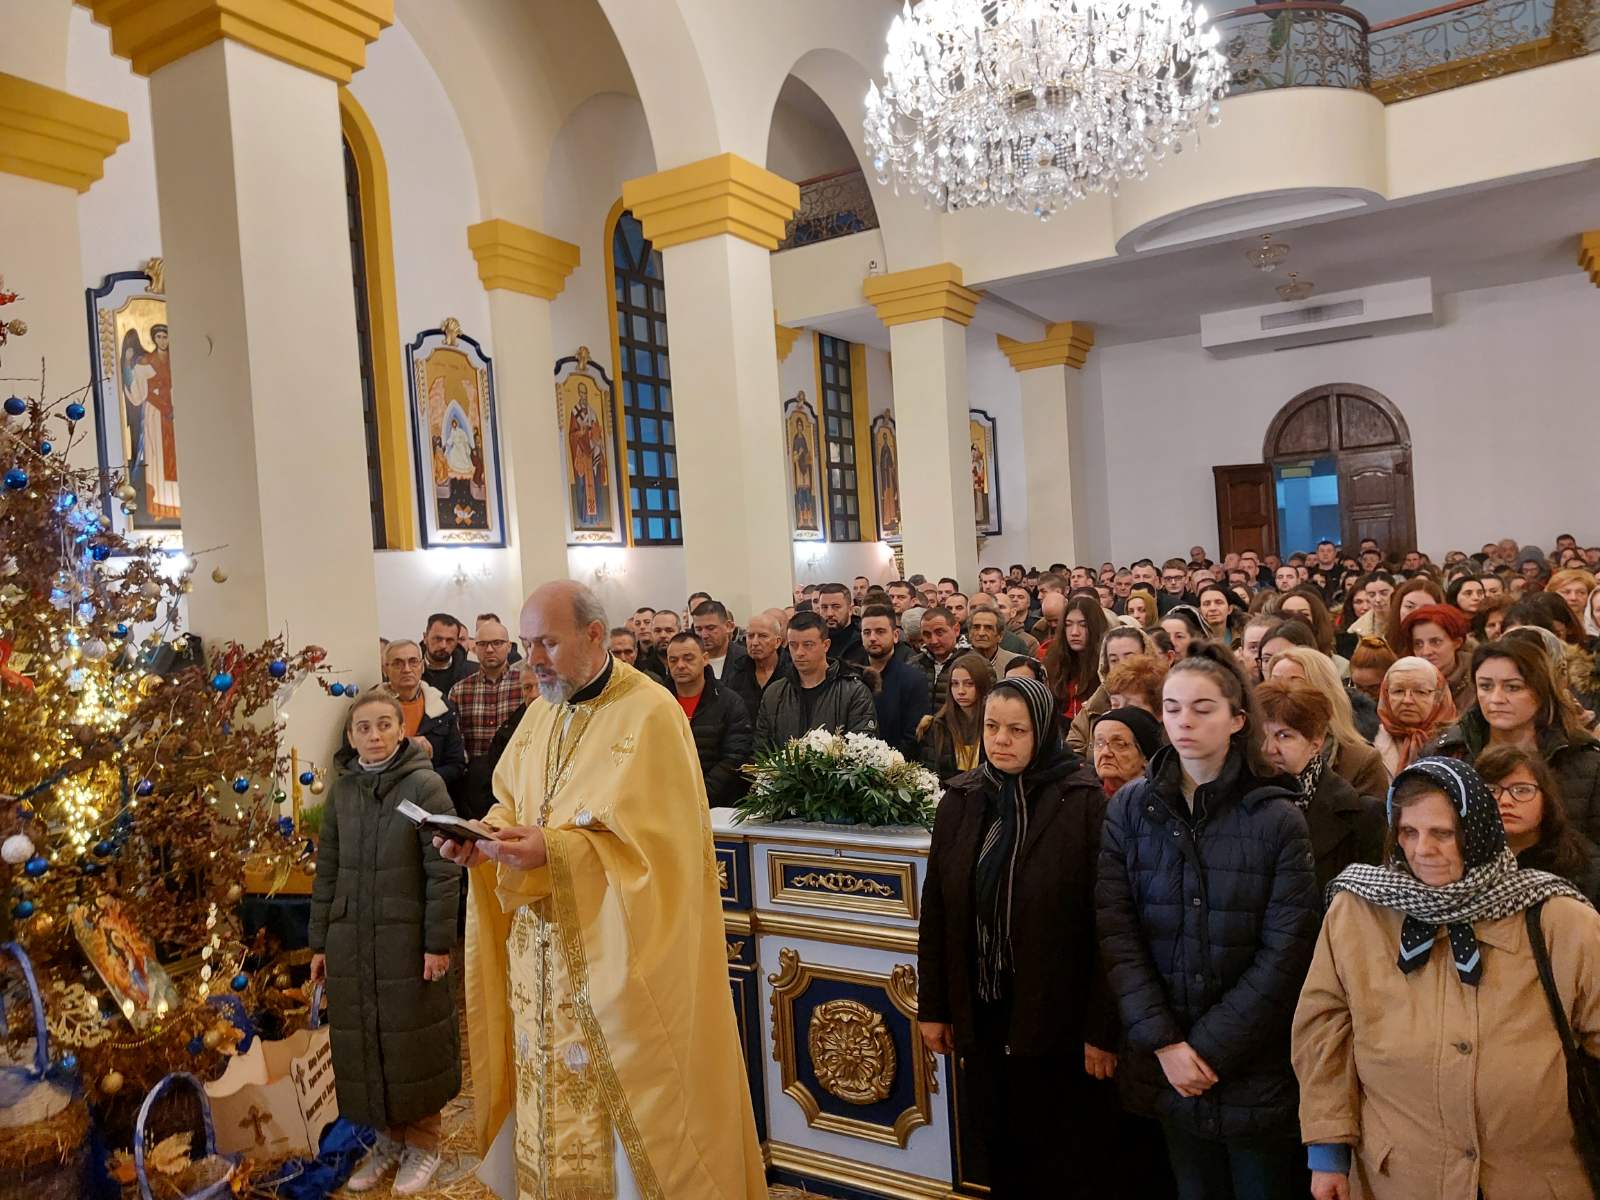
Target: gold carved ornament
(852, 1053)
(843, 883)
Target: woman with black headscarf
(1428, 1059)
(1008, 980)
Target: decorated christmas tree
(136, 780)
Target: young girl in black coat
(1207, 914)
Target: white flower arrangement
(840, 779)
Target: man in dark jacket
(764, 660)
(1207, 917)
(717, 718)
(447, 659)
(844, 636)
(816, 694)
(430, 719)
(942, 644)
(901, 695)
(713, 625)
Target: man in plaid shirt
(487, 698)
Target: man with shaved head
(595, 937)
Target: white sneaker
(380, 1160)
(417, 1169)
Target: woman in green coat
(383, 925)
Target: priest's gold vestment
(597, 986)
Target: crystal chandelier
(1031, 104)
(1268, 255)
(1295, 289)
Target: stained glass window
(839, 436)
(647, 422)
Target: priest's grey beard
(558, 691)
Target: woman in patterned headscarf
(1430, 1065)
(1006, 950)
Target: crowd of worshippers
(1203, 823)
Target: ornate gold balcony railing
(1319, 43)
(831, 206)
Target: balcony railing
(831, 206)
(1320, 43)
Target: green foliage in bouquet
(839, 780)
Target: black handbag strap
(1541, 958)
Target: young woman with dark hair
(1072, 660)
(1521, 702)
(1184, 624)
(1408, 597)
(1207, 906)
(1535, 818)
(951, 739)
(1217, 605)
(1305, 604)
(1488, 623)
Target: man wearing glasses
(490, 695)
(1174, 585)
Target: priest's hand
(463, 854)
(1098, 1063)
(520, 847)
(1188, 1073)
(937, 1036)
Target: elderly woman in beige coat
(1428, 1060)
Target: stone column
(928, 310)
(1046, 368)
(265, 368)
(524, 271)
(53, 146)
(716, 223)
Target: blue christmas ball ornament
(66, 500)
(37, 866)
(45, 447)
(222, 681)
(16, 479)
(69, 1062)
(122, 629)
(336, 689)
(307, 778)
(99, 552)
(75, 411)
(350, 689)
(91, 868)
(286, 826)
(103, 849)
(22, 910)
(277, 668)
(144, 788)
(239, 982)
(241, 785)
(16, 406)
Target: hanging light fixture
(1296, 288)
(1268, 255)
(1031, 104)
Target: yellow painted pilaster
(723, 194)
(786, 337)
(519, 259)
(55, 137)
(921, 294)
(1065, 344)
(327, 37)
(1589, 254)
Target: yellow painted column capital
(1589, 254)
(722, 194)
(518, 259)
(1065, 344)
(921, 294)
(327, 37)
(786, 337)
(55, 137)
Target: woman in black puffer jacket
(1207, 913)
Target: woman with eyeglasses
(1535, 818)
(1414, 707)
(1522, 703)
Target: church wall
(800, 148)
(1499, 398)
(993, 386)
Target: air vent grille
(1314, 314)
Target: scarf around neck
(1492, 886)
(1409, 738)
(1310, 777)
(1006, 832)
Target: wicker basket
(44, 1120)
(209, 1177)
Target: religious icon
(135, 425)
(456, 440)
(125, 960)
(985, 472)
(587, 428)
(886, 476)
(805, 469)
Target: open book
(450, 827)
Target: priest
(600, 1025)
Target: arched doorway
(1336, 463)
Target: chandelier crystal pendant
(1032, 104)
(1295, 289)
(1268, 255)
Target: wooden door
(1375, 496)
(1247, 509)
